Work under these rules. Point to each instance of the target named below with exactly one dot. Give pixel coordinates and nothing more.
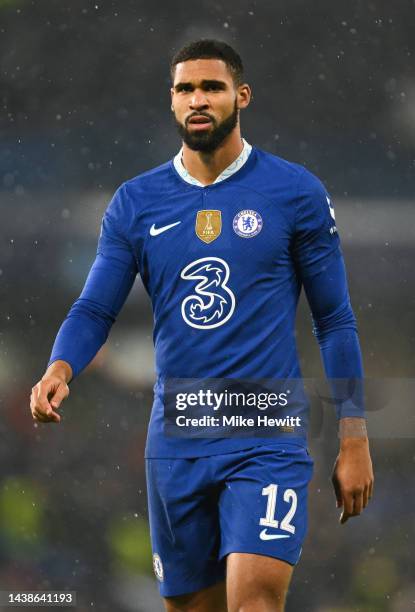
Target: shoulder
(307, 198)
(159, 179)
(140, 191)
(278, 166)
(282, 181)
(291, 177)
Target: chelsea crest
(247, 223)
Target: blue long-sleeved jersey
(223, 265)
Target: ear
(244, 95)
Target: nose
(198, 101)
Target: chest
(243, 228)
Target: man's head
(207, 93)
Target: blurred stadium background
(85, 105)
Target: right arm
(90, 318)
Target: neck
(206, 167)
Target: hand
(353, 477)
(49, 392)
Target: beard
(209, 140)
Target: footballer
(224, 236)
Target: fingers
(358, 504)
(337, 488)
(337, 492)
(354, 503)
(348, 507)
(41, 418)
(368, 493)
(43, 410)
(61, 393)
(353, 480)
(42, 403)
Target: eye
(183, 88)
(213, 87)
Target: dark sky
(85, 87)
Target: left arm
(335, 329)
(320, 264)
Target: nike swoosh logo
(271, 536)
(155, 231)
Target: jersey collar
(231, 169)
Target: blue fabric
(224, 308)
(334, 326)
(201, 510)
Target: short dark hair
(208, 48)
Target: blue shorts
(202, 509)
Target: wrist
(353, 434)
(353, 444)
(61, 369)
(352, 428)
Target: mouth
(199, 122)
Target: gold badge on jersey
(208, 225)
